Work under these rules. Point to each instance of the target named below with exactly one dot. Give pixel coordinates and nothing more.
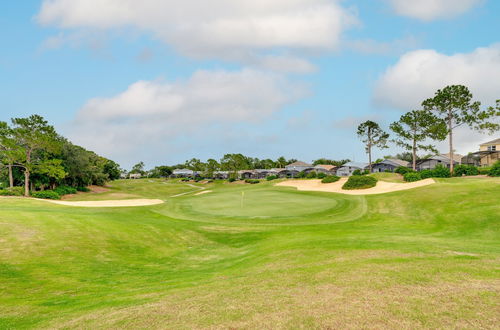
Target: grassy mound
(360, 182)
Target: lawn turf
(421, 258)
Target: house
(298, 166)
(183, 173)
(134, 176)
(443, 159)
(221, 175)
(284, 173)
(246, 174)
(348, 168)
(389, 165)
(488, 154)
(327, 169)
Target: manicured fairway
(421, 258)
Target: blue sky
(166, 80)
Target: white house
(348, 168)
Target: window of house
(492, 148)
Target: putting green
(260, 203)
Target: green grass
(388, 177)
(421, 258)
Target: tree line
(437, 120)
(33, 155)
(229, 162)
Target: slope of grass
(422, 258)
(388, 177)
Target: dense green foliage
(402, 170)
(276, 258)
(46, 194)
(65, 190)
(465, 170)
(252, 181)
(330, 179)
(495, 169)
(412, 176)
(35, 156)
(441, 171)
(272, 177)
(360, 182)
(14, 191)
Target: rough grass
(422, 258)
(388, 177)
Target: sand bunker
(336, 187)
(203, 192)
(110, 203)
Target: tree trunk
(414, 149)
(26, 182)
(11, 176)
(27, 174)
(370, 149)
(450, 135)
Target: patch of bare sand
(109, 203)
(382, 187)
(203, 192)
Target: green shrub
(330, 179)
(252, 181)
(46, 194)
(15, 191)
(231, 179)
(311, 175)
(412, 177)
(357, 172)
(271, 177)
(365, 172)
(321, 175)
(360, 182)
(65, 190)
(425, 174)
(461, 170)
(495, 169)
(441, 172)
(403, 170)
(301, 175)
(484, 170)
(82, 189)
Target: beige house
(488, 154)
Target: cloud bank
(152, 114)
(217, 28)
(429, 10)
(418, 74)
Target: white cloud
(152, 116)
(428, 10)
(418, 74)
(222, 28)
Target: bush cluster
(461, 170)
(231, 179)
(441, 172)
(495, 169)
(412, 176)
(65, 190)
(330, 179)
(403, 170)
(252, 181)
(311, 175)
(484, 170)
(46, 194)
(15, 191)
(321, 175)
(360, 182)
(83, 189)
(271, 177)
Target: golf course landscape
(234, 255)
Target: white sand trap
(110, 203)
(203, 192)
(382, 187)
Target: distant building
(298, 166)
(183, 173)
(489, 153)
(348, 168)
(443, 159)
(135, 176)
(389, 165)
